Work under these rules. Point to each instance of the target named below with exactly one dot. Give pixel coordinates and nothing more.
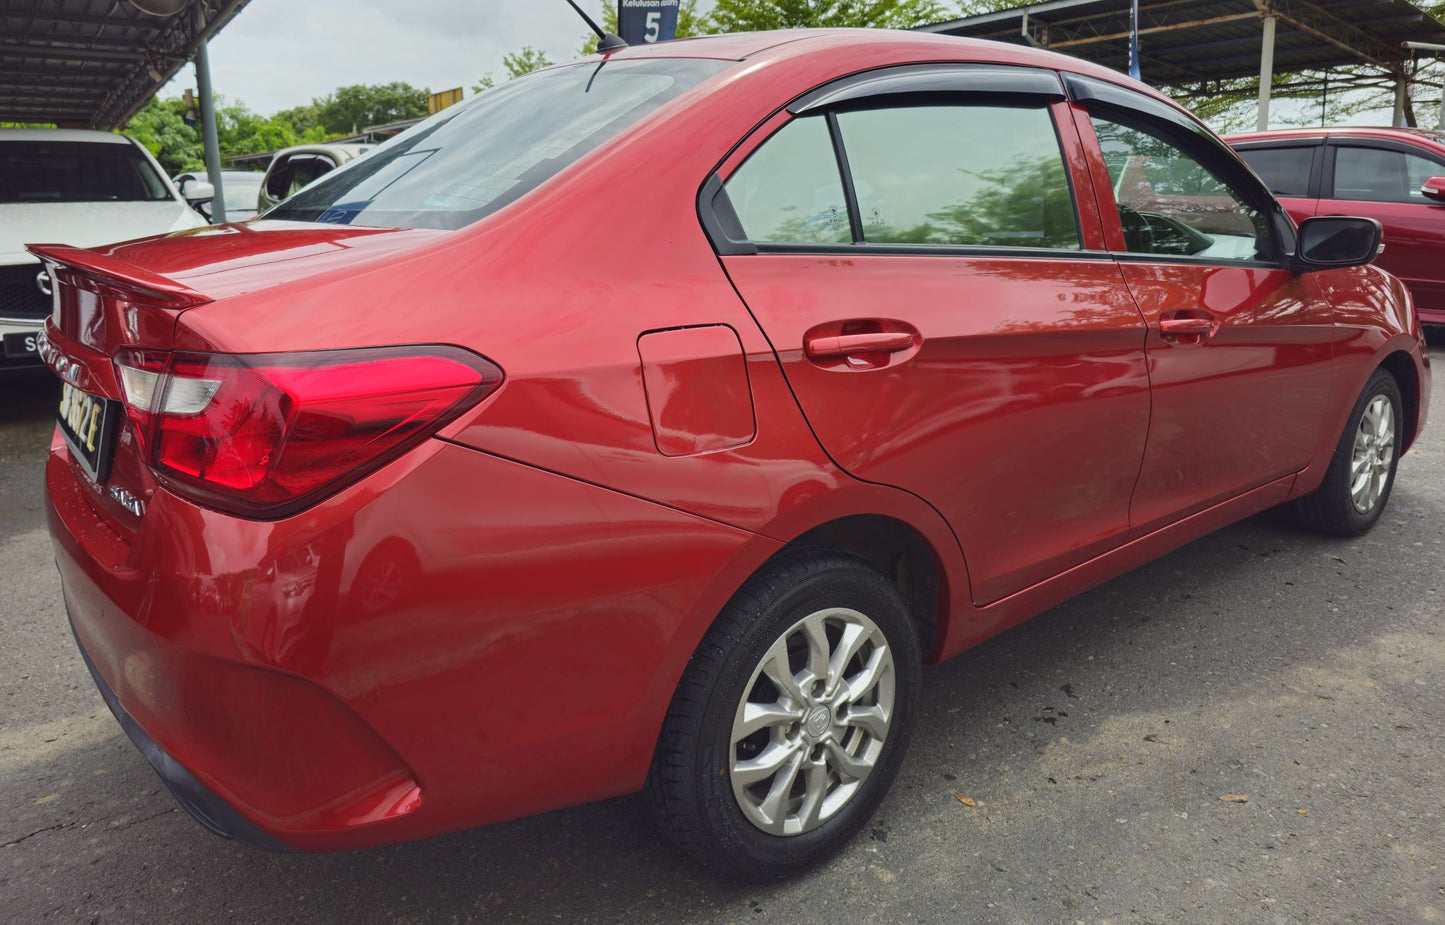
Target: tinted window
(1171, 202)
(56, 171)
(1378, 175)
(1284, 170)
(789, 189)
(964, 175)
(471, 159)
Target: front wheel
(1362, 471)
(791, 720)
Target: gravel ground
(1304, 674)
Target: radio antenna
(606, 41)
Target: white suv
(63, 186)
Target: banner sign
(642, 22)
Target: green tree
(516, 64)
(525, 61)
(351, 109)
(758, 15)
(160, 126)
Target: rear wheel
(1362, 471)
(791, 720)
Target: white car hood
(86, 224)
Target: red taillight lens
(264, 435)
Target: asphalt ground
(1303, 673)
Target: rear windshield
(473, 158)
(77, 171)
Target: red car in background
(648, 421)
(1393, 175)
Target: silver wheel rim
(812, 723)
(1373, 455)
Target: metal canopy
(95, 63)
(1184, 42)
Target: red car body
(493, 622)
(1389, 165)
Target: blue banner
(642, 22)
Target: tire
(764, 804)
(1362, 471)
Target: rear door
(922, 247)
(1239, 346)
(1381, 179)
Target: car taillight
(263, 435)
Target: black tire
(690, 785)
(1332, 508)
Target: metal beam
(1327, 27)
(1174, 27)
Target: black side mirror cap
(1327, 241)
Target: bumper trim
(215, 814)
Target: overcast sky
(281, 53)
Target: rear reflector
(264, 435)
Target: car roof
(1413, 135)
(62, 135)
(931, 47)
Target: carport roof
(1187, 41)
(94, 63)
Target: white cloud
(281, 53)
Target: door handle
(1174, 327)
(842, 345)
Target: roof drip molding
(62, 46)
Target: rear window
(77, 171)
(472, 159)
(1285, 170)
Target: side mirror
(1434, 188)
(194, 191)
(1337, 241)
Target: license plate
(24, 344)
(88, 423)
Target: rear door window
(956, 175)
(984, 176)
(790, 189)
(1286, 171)
(1382, 175)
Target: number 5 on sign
(641, 22)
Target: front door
(1239, 347)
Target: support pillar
(1266, 73)
(208, 132)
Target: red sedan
(648, 421)
(1393, 175)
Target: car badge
(127, 500)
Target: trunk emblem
(127, 500)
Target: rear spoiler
(118, 274)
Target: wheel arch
(1402, 366)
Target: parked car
(647, 422)
(293, 168)
(1393, 175)
(68, 185)
(241, 189)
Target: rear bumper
(516, 653)
(205, 807)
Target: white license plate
(88, 423)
